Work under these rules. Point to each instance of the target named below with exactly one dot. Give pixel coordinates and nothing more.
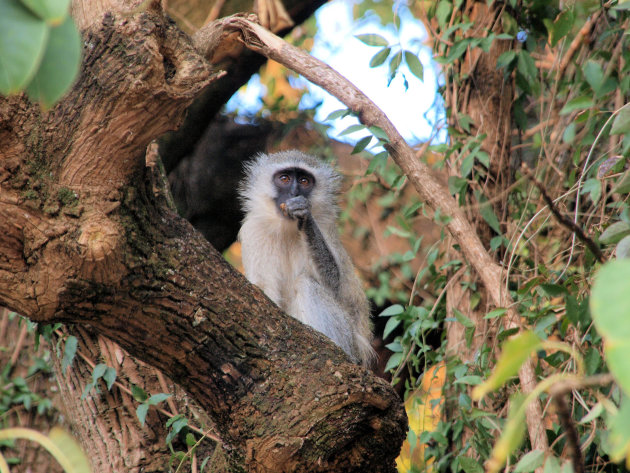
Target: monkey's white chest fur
(282, 268)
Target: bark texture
(90, 240)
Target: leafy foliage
(564, 69)
(40, 49)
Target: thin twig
(573, 440)
(164, 386)
(562, 219)
(19, 345)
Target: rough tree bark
(116, 439)
(484, 95)
(88, 242)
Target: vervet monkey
(291, 248)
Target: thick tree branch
(430, 190)
(87, 240)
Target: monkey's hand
(297, 208)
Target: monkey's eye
(284, 178)
(304, 181)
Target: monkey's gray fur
(299, 261)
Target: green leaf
(204, 463)
(619, 432)
(623, 184)
(569, 133)
(380, 57)
(443, 12)
(578, 103)
(615, 232)
(372, 40)
(394, 63)
(398, 232)
(390, 326)
(506, 59)
(395, 309)
(577, 312)
(562, 26)
(509, 23)
(596, 411)
(414, 64)
(109, 377)
(553, 290)
(69, 351)
(510, 438)
(157, 398)
(22, 44)
(86, 390)
(361, 144)
(338, 114)
(470, 465)
(352, 129)
(138, 393)
(515, 352)
(471, 379)
(621, 124)
(552, 465)
(498, 312)
(393, 361)
(98, 372)
(467, 165)
(623, 248)
(594, 74)
(462, 319)
(610, 300)
(178, 424)
(526, 65)
(377, 161)
(456, 184)
(52, 11)
(457, 50)
(487, 212)
(530, 461)
(174, 419)
(141, 413)
(379, 133)
(59, 66)
(592, 187)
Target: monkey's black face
(290, 183)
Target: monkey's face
(292, 185)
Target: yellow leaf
(424, 410)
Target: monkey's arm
(327, 267)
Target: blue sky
(411, 106)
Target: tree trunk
(89, 239)
(485, 95)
